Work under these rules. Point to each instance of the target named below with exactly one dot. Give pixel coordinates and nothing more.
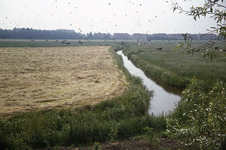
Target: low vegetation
(114, 119)
(199, 120)
(177, 67)
(61, 43)
(118, 118)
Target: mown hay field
(33, 78)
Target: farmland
(56, 94)
(177, 67)
(45, 78)
(58, 43)
(68, 96)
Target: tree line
(29, 33)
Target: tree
(90, 35)
(216, 10)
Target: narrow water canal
(163, 99)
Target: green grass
(177, 67)
(53, 43)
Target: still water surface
(163, 99)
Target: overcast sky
(106, 16)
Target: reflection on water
(163, 100)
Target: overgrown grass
(114, 119)
(176, 67)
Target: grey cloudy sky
(107, 16)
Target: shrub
(204, 124)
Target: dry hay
(45, 78)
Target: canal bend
(162, 101)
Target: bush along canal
(163, 100)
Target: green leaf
(177, 47)
(194, 18)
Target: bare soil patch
(134, 144)
(45, 78)
(140, 144)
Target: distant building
(125, 36)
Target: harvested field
(52, 77)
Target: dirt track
(44, 78)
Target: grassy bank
(199, 120)
(177, 67)
(113, 119)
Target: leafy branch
(205, 113)
(217, 10)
